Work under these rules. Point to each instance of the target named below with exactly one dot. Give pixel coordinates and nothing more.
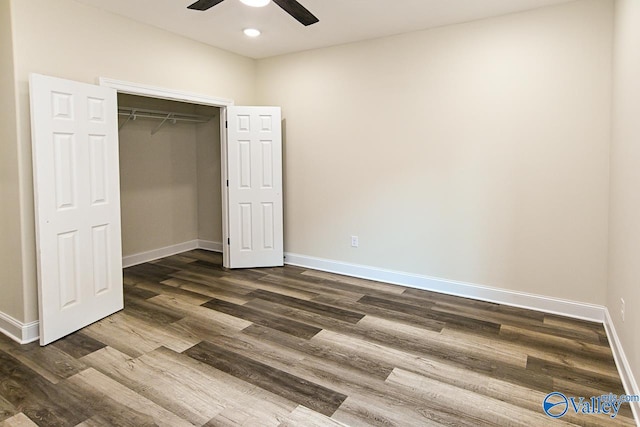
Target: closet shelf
(172, 117)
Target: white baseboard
(624, 369)
(578, 310)
(208, 245)
(142, 257)
(22, 333)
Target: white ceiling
(341, 21)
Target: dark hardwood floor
(200, 345)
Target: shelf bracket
(169, 117)
(131, 116)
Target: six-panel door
(254, 162)
(77, 201)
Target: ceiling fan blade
(204, 4)
(298, 11)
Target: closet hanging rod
(159, 114)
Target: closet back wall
(162, 196)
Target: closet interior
(169, 174)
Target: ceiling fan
(292, 7)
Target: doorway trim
(139, 89)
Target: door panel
(254, 166)
(77, 201)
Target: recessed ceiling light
(256, 3)
(251, 32)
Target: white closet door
(77, 200)
(254, 168)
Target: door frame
(139, 89)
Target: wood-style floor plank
(364, 413)
(342, 356)
(408, 338)
(296, 389)
(361, 284)
(263, 318)
(134, 336)
(49, 362)
(33, 395)
(406, 318)
(303, 416)
(197, 313)
(200, 345)
(119, 405)
(595, 380)
(313, 307)
(485, 381)
(18, 420)
(477, 326)
(152, 313)
(547, 342)
(317, 287)
(7, 410)
(210, 290)
(186, 387)
(176, 292)
(494, 411)
(78, 345)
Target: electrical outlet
(354, 241)
(622, 308)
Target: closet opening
(170, 178)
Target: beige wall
(624, 255)
(11, 301)
(158, 186)
(476, 152)
(65, 39)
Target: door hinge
(228, 241)
(226, 124)
(227, 183)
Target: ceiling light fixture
(251, 32)
(256, 3)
